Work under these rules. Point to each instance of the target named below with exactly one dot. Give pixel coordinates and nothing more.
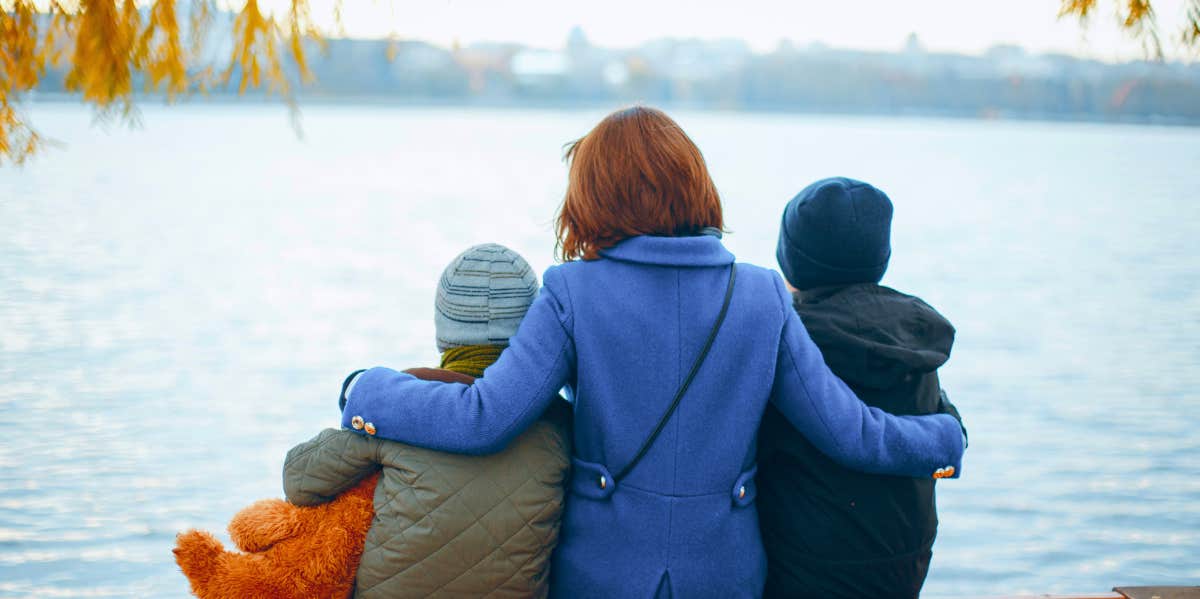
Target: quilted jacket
(446, 525)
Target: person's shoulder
(765, 284)
(914, 301)
(884, 290)
(576, 277)
(839, 295)
(761, 274)
(555, 276)
(878, 307)
(574, 268)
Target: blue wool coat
(620, 333)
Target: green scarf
(470, 359)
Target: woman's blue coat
(620, 333)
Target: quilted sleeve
(324, 467)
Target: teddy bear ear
(264, 523)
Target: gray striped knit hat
(482, 297)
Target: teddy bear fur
(287, 551)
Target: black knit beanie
(836, 231)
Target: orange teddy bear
(290, 551)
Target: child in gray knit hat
(482, 297)
(453, 524)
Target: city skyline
(942, 26)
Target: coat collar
(700, 250)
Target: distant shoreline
(521, 104)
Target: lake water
(179, 304)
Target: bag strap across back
(662, 423)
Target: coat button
(357, 423)
(946, 472)
(370, 428)
(603, 482)
(742, 492)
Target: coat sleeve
(326, 466)
(484, 417)
(842, 427)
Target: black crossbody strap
(662, 423)
(346, 385)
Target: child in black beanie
(829, 531)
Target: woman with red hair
(669, 352)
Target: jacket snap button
(603, 482)
(370, 428)
(742, 492)
(357, 423)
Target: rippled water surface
(178, 306)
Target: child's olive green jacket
(445, 524)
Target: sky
(964, 26)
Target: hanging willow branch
(1191, 33)
(1138, 18)
(109, 46)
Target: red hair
(635, 173)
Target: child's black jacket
(833, 532)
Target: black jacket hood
(872, 335)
